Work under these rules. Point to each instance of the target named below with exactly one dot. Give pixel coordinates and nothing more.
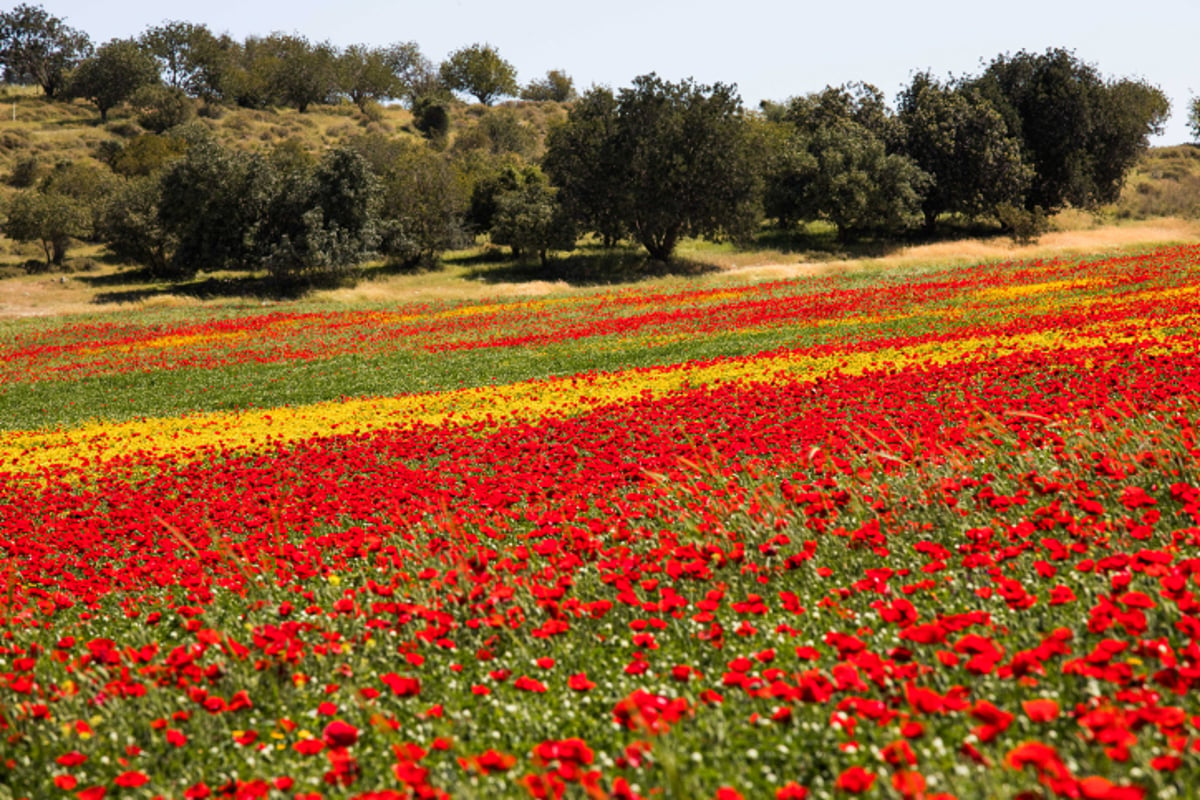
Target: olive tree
(583, 161)
(479, 70)
(49, 218)
(671, 160)
(119, 69)
(1080, 133)
(958, 138)
(557, 86)
(39, 47)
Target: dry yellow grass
(1064, 243)
(45, 295)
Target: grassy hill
(36, 134)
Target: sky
(770, 50)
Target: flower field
(934, 535)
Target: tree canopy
(36, 46)
(117, 70)
(677, 162)
(1080, 133)
(479, 70)
(962, 142)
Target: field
(915, 532)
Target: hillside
(36, 134)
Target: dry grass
(54, 294)
(1095, 238)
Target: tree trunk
(661, 246)
(930, 222)
(60, 250)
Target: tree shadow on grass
(589, 267)
(143, 285)
(819, 242)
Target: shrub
(1024, 226)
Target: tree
(680, 161)
(528, 219)
(319, 224)
(249, 79)
(495, 178)
(857, 185)
(788, 167)
(212, 199)
(49, 218)
(365, 74)
(852, 174)
(1194, 118)
(860, 103)
(423, 207)
(86, 184)
(1127, 114)
(282, 69)
(1080, 134)
(961, 141)
(183, 51)
(35, 46)
(131, 227)
(119, 68)
(582, 160)
(301, 73)
(557, 86)
(419, 78)
(143, 155)
(480, 71)
(499, 131)
(209, 61)
(432, 118)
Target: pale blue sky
(771, 50)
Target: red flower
(340, 734)
(308, 747)
(131, 780)
(909, 783)
(527, 684)
(580, 683)
(855, 780)
(402, 686)
(1041, 710)
(490, 761)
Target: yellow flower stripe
(28, 452)
(1021, 291)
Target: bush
(432, 119)
(26, 172)
(160, 108)
(1022, 225)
